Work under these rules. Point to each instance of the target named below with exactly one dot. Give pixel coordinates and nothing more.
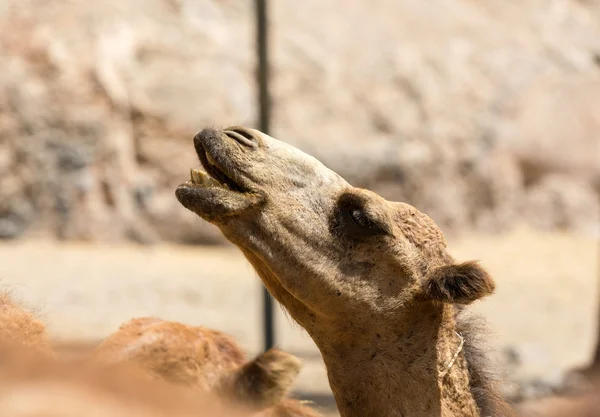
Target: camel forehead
(420, 230)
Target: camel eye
(358, 223)
(359, 217)
(352, 219)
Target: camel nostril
(242, 136)
(245, 133)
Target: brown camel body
(34, 385)
(208, 361)
(370, 280)
(35, 381)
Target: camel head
(204, 359)
(324, 249)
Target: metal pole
(595, 366)
(264, 105)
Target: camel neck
(407, 368)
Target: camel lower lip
(215, 204)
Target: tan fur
(32, 385)
(192, 356)
(264, 381)
(144, 369)
(20, 327)
(206, 360)
(369, 279)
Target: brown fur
(20, 327)
(204, 359)
(370, 280)
(32, 385)
(458, 284)
(34, 382)
(191, 356)
(484, 384)
(264, 381)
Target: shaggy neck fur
(400, 368)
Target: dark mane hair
(484, 383)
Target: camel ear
(265, 380)
(458, 284)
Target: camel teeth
(198, 177)
(211, 182)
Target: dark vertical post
(595, 366)
(264, 105)
(593, 370)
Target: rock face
(480, 113)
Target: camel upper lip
(218, 171)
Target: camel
(35, 385)
(370, 280)
(34, 380)
(208, 361)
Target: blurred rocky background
(483, 114)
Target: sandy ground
(545, 305)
